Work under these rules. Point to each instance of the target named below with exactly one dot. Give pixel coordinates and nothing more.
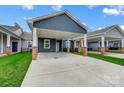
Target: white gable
(114, 33)
(18, 32)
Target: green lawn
(114, 60)
(13, 69)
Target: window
(29, 44)
(46, 43)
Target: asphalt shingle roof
(102, 30)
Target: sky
(94, 17)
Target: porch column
(8, 49)
(98, 45)
(75, 45)
(68, 46)
(107, 45)
(84, 45)
(122, 45)
(20, 46)
(102, 49)
(62, 45)
(1, 43)
(34, 44)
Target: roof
(30, 21)
(11, 29)
(102, 31)
(27, 35)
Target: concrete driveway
(69, 70)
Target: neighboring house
(57, 32)
(109, 38)
(27, 41)
(11, 39)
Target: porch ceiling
(106, 38)
(47, 33)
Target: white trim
(8, 40)
(68, 43)
(82, 43)
(62, 46)
(1, 43)
(56, 45)
(102, 41)
(85, 40)
(122, 43)
(48, 40)
(35, 39)
(75, 45)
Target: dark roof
(103, 30)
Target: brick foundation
(102, 50)
(84, 51)
(68, 50)
(106, 49)
(8, 50)
(34, 53)
(122, 50)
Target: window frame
(46, 41)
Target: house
(107, 39)
(57, 32)
(11, 39)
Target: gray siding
(41, 45)
(61, 22)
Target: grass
(13, 69)
(114, 60)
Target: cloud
(91, 6)
(114, 10)
(84, 23)
(26, 18)
(27, 7)
(122, 27)
(100, 28)
(57, 7)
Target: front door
(14, 46)
(58, 46)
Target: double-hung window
(46, 43)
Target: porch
(105, 44)
(46, 40)
(9, 44)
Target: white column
(75, 44)
(8, 40)
(85, 40)
(122, 43)
(1, 43)
(102, 41)
(62, 45)
(98, 44)
(82, 43)
(20, 45)
(68, 46)
(107, 43)
(35, 40)
(56, 45)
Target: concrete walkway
(69, 70)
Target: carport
(57, 32)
